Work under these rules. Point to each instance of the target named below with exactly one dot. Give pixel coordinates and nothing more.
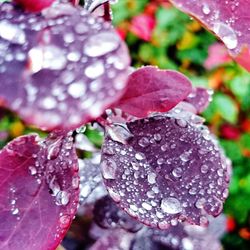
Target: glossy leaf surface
(152, 90)
(61, 68)
(170, 168)
(229, 20)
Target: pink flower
(143, 26)
(217, 54)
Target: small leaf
(65, 66)
(38, 194)
(225, 19)
(34, 5)
(169, 169)
(152, 90)
(108, 215)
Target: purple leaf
(229, 20)
(113, 239)
(39, 191)
(61, 68)
(199, 98)
(179, 237)
(170, 168)
(108, 215)
(152, 90)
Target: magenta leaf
(170, 168)
(34, 5)
(229, 20)
(39, 191)
(199, 98)
(152, 90)
(61, 68)
(108, 215)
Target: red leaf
(38, 192)
(229, 20)
(34, 5)
(153, 90)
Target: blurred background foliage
(158, 34)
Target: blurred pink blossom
(143, 26)
(217, 54)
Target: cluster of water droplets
(170, 169)
(223, 22)
(78, 53)
(90, 176)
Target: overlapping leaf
(152, 90)
(229, 20)
(108, 215)
(38, 191)
(61, 68)
(170, 168)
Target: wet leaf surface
(39, 191)
(61, 68)
(229, 20)
(170, 168)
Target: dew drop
(64, 221)
(32, 170)
(94, 70)
(146, 206)
(151, 178)
(15, 211)
(62, 198)
(109, 169)
(227, 34)
(139, 156)
(171, 205)
(205, 9)
(144, 142)
(204, 168)
(177, 172)
(101, 44)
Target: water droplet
(32, 170)
(144, 142)
(146, 206)
(54, 148)
(114, 195)
(135, 165)
(181, 123)
(108, 169)
(64, 221)
(157, 137)
(187, 244)
(151, 178)
(101, 44)
(62, 198)
(75, 182)
(200, 203)
(227, 34)
(77, 89)
(185, 156)
(192, 191)
(205, 9)
(119, 133)
(15, 211)
(12, 33)
(177, 172)
(139, 156)
(171, 205)
(204, 168)
(94, 70)
(160, 161)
